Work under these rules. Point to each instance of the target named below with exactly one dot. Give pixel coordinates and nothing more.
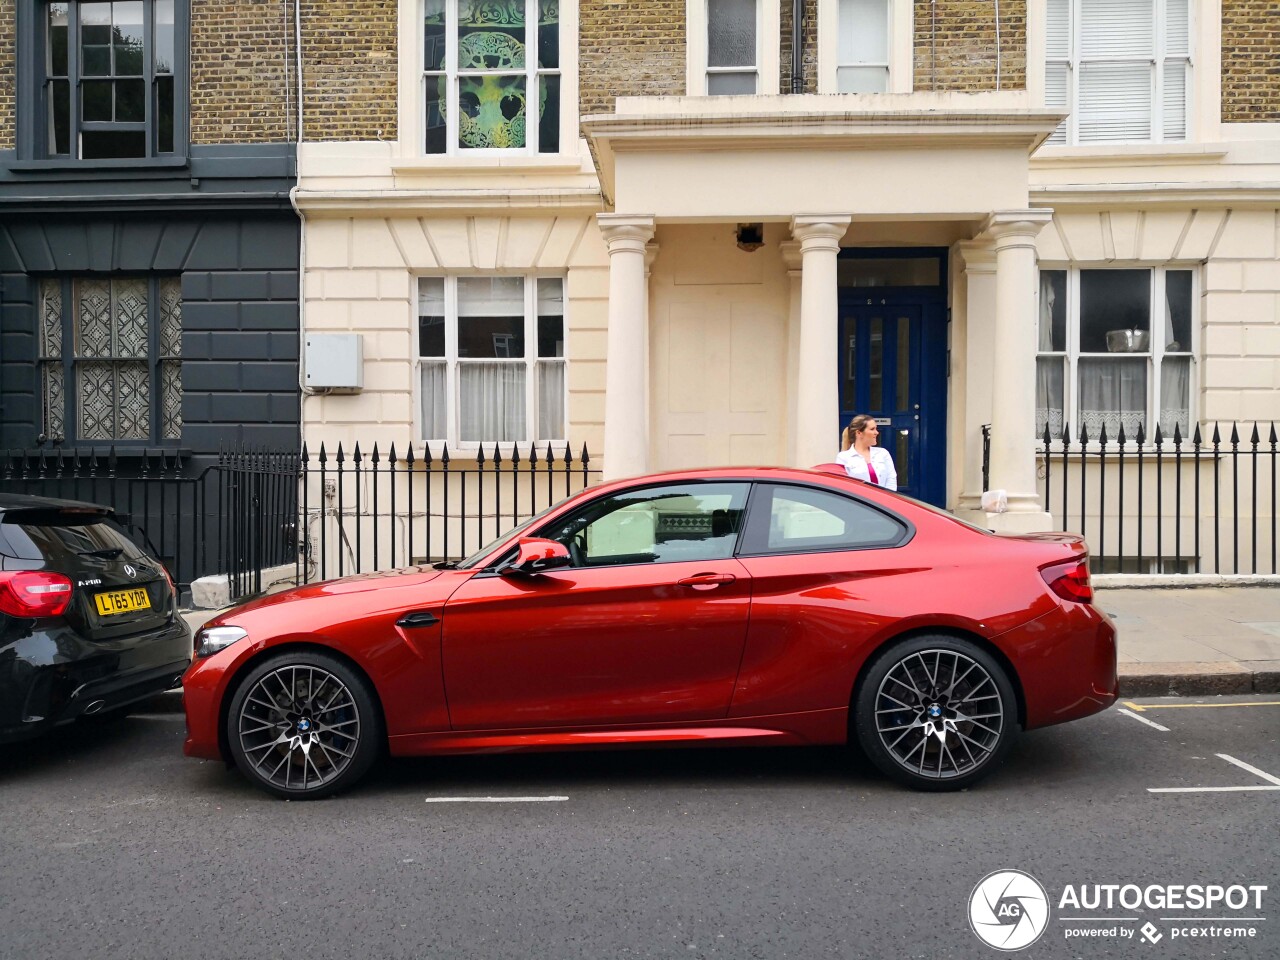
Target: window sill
(462, 166)
(1131, 154)
(141, 163)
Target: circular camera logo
(1008, 910)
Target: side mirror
(536, 555)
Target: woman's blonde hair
(856, 425)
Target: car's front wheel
(303, 725)
(936, 713)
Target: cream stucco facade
(683, 349)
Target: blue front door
(893, 366)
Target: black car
(88, 621)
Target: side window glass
(693, 521)
(803, 518)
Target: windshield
(507, 537)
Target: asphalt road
(115, 846)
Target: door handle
(418, 618)
(706, 581)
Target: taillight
(34, 593)
(173, 589)
(1069, 580)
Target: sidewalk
(1173, 641)
(1191, 641)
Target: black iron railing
(369, 510)
(234, 513)
(1163, 503)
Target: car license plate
(122, 601)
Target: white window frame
(452, 360)
(413, 79)
(901, 43)
(1068, 134)
(1154, 357)
(768, 41)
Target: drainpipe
(797, 46)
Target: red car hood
(343, 588)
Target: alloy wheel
(299, 727)
(939, 714)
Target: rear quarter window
(787, 519)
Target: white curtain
(491, 401)
(1175, 395)
(435, 402)
(1113, 392)
(1049, 370)
(550, 400)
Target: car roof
(21, 501)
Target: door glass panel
(889, 272)
(875, 376)
(849, 380)
(901, 461)
(904, 363)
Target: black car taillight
(34, 593)
(1069, 580)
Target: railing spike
(324, 458)
(1273, 437)
(1195, 438)
(1102, 435)
(1047, 439)
(1235, 435)
(1159, 437)
(515, 456)
(444, 454)
(1120, 437)
(1255, 439)
(1084, 433)
(586, 457)
(480, 460)
(1217, 437)
(341, 457)
(1177, 433)
(408, 457)
(356, 453)
(1142, 433)
(374, 457)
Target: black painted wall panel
(240, 315)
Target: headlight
(209, 640)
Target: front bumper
(50, 675)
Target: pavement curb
(1198, 679)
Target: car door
(647, 626)
(829, 573)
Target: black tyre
(304, 725)
(936, 713)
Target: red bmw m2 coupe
(729, 606)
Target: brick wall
(242, 66)
(955, 45)
(349, 69)
(1250, 61)
(810, 59)
(8, 122)
(629, 49)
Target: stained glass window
(484, 61)
(118, 342)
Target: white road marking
(1149, 723)
(493, 799)
(1210, 789)
(1254, 770)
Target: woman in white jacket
(861, 458)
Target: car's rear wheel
(936, 713)
(304, 725)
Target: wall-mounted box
(335, 361)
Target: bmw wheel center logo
(935, 711)
(304, 726)
(1008, 910)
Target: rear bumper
(50, 675)
(1066, 662)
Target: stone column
(626, 412)
(972, 334)
(817, 425)
(790, 251)
(1013, 461)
